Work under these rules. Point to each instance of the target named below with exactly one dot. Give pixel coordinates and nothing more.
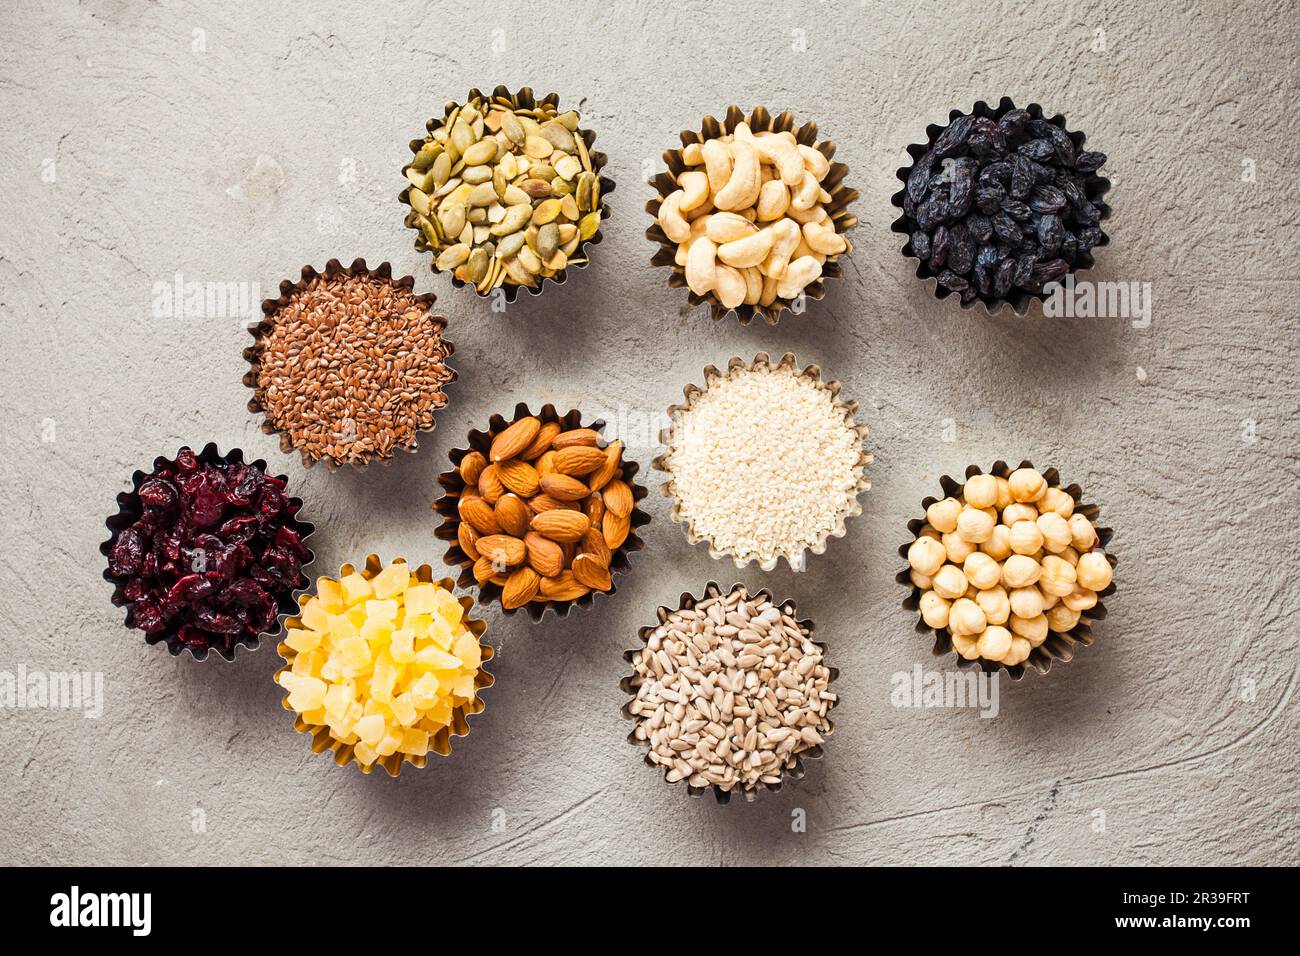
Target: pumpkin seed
(484, 151)
(529, 260)
(514, 219)
(538, 147)
(419, 200)
(567, 167)
(569, 120)
(588, 225)
(583, 191)
(514, 196)
(536, 188)
(462, 137)
(545, 211)
(512, 128)
(477, 266)
(510, 245)
(548, 240)
(561, 187)
(451, 219)
(477, 174)
(453, 256)
(559, 137)
(483, 195)
(569, 208)
(426, 155)
(441, 169)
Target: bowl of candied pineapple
(1008, 569)
(383, 665)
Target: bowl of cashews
(752, 215)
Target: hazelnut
(1057, 500)
(1061, 619)
(1057, 578)
(994, 643)
(1081, 598)
(1020, 571)
(1019, 653)
(943, 515)
(981, 570)
(1027, 484)
(1032, 629)
(966, 617)
(1056, 532)
(950, 582)
(1026, 537)
(980, 491)
(957, 547)
(998, 546)
(966, 645)
(1026, 602)
(1094, 571)
(1004, 494)
(1082, 533)
(928, 531)
(975, 525)
(994, 604)
(934, 610)
(926, 555)
(922, 581)
(1018, 512)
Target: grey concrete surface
(236, 142)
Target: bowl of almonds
(540, 511)
(729, 693)
(1008, 569)
(506, 192)
(751, 215)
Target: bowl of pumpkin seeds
(506, 192)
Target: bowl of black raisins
(1001, 204)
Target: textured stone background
(236, 142)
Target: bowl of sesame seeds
(348, 365)
(765, 461)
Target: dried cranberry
(187, 462)
(128, 552)
(210, 619)
(158, 494)
(239, 530)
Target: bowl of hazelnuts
(1007, 569)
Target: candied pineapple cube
(402, 646)
(441, 633)
(355, 587)
(302, 639)
(381, 610)
(315, 616)
(421, 599)
(404, 709)
(355, 653)
(305, 665)
(364, 754)
(449, 608)
(435, 658)
(338, 699)
(382, 680)
(463, 687)
(376, 633)
(342, 625)
(390, 742)
(439, 716)
(308, 693)
(391, 581)
(468, 650)
(415, 742)
(424, 692)
(330, 594)
(370, 729)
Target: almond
(502, 550)
(520, 587)
(478, 513)
(564, 487)
(591, 572)
(593, 544)
(518, 476)
(547, 503)
(490, 487)
(618, 498)
(578, 460)
(483, 570)
(542, 442)
(513, 515)
(559, 524)
(610, 469)
(546, 557)
(614, 528)
(576, 437)
(466, 536)
(563, 587)
(546, 464)
(515, 439)
(471, 466)
(594, 509)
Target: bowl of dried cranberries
(1001, 204)
(207, 552)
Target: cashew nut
(786, 237)
(822, 238)
(769, 290)
(800, 273)
(728, 227)
(698, 228)
(815, 161)
(730, 286)
(695, 189)
(753, 285)
(750, 251)
(784, 156)
(701, 265)
(805, 193)
(773, 200)
(741, 190)
(692, 155)
(717, 163)
(670, 217)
